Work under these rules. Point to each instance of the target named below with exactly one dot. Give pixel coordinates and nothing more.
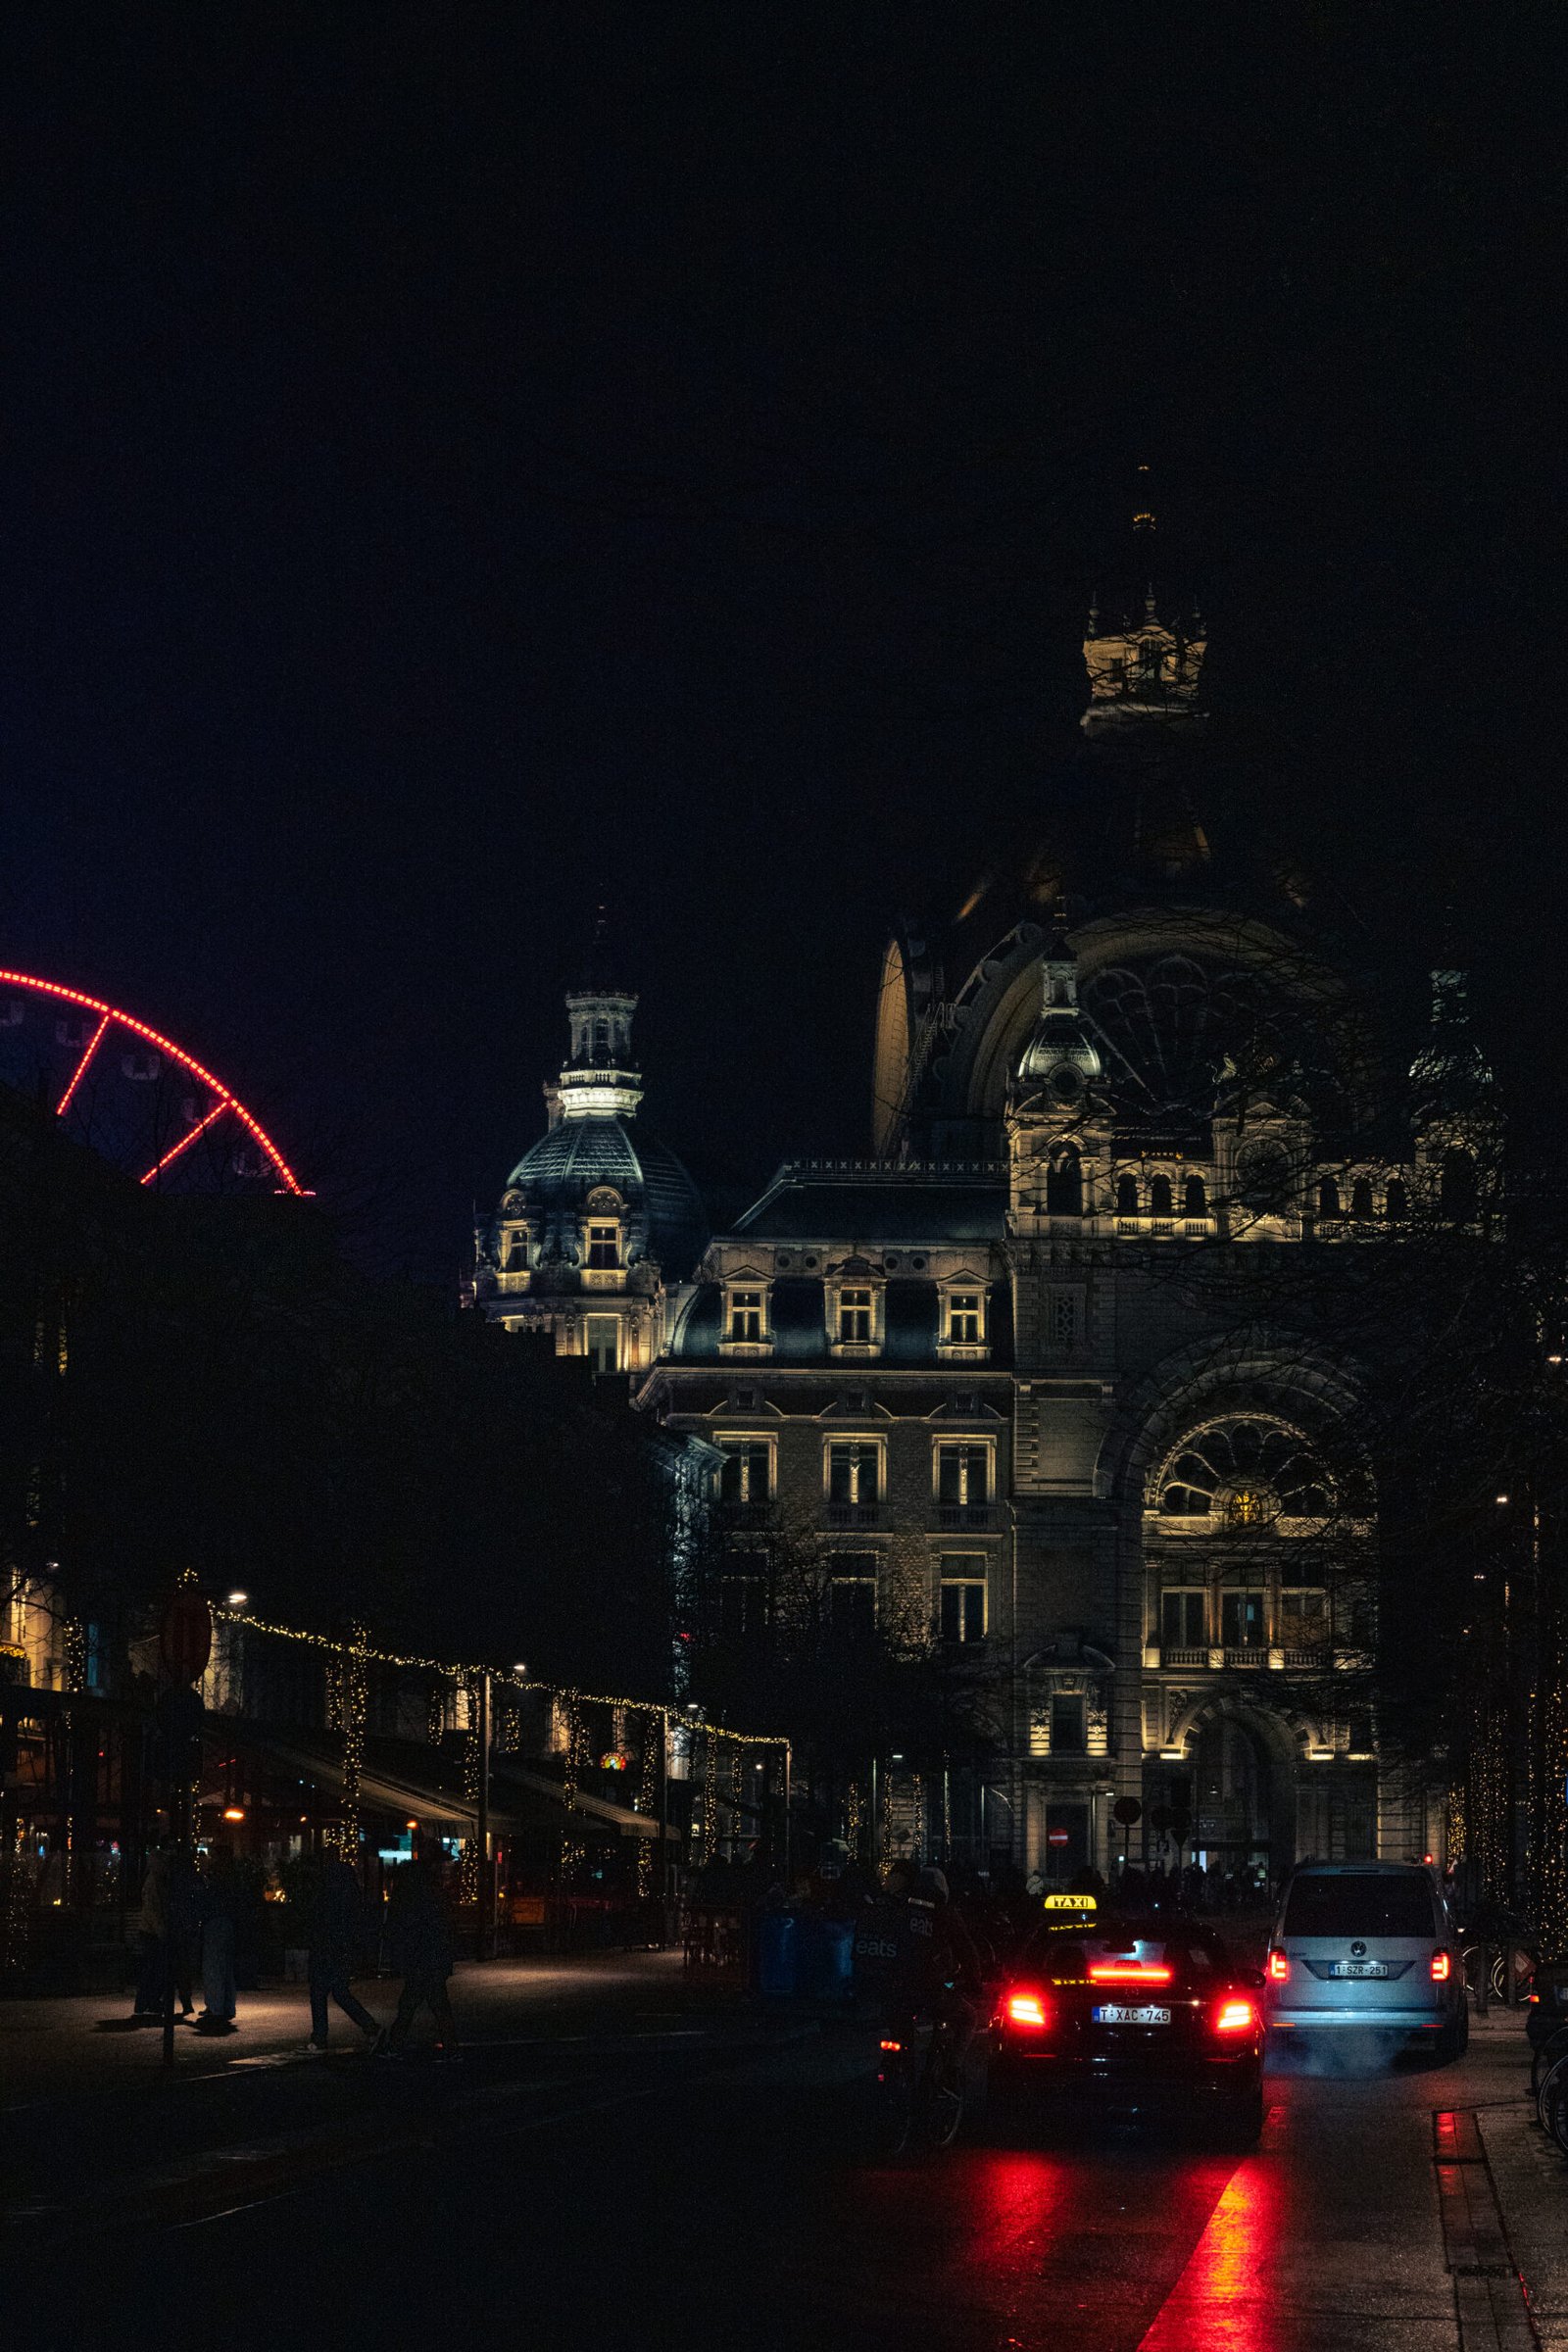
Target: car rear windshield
(1068, 1958)
(1354, 1905)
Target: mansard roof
(827, 1200)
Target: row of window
(602, 1247)
(854, 1317)
(1192, 1617)
(854, 1470)
(852, 1598)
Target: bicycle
(919, 2082)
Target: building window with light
(962, 1467)
(854, 1318)
(745, 1314)
(744, 1327)
(604, 1247)
(515, 1259)
(965, 1323)
(961, 1597)
(854, 1470)
(748, 1473)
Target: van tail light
(1236, 2016)
(1279, 1967)
(1028, 2010)
(1440, 1967)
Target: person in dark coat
(335, 1919)
(219, 1914)
(418, 1934)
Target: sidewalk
(1530, 2176)
(87, 2041)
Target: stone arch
(1239, 1828)
(999, 1002)
(1251, 1371)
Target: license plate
(1358, 1968)
(1122, 2013)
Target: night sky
(461, 465)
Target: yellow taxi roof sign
(1070, 1902)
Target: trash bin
(778, 1946)
(827, 1960)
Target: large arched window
(1064, 1184)
(1245, 1474)
(1397, 1201)
(1126, 1196)
(1328, 1198)
(1159, 1197)
(1194, 1198)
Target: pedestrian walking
(219, 1914)
(419, 1930)
(335, 1919)
(184, 1899)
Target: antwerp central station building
(1020, 1378)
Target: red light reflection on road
(1221, 2299)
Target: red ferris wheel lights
(165, 1044)
(81, 1070)
(186, 1140)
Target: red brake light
(1026, 2009)
(1128, 1971)
(1235, 2017)
(1279, 1967)
(1440, 1966)
(890, 2045)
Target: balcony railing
(854, 1514)
(977, 1518)
(1184, 1658)
(746, 1514)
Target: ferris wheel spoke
(81, 1070)
(187, 1139)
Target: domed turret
(597, 1217)
(1061, 1056)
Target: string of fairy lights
(348, 1663)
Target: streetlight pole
(487, 1892)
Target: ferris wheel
(122, 1087)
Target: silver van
(1366, 1944)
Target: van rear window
(1360, 1906)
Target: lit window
(604, 1343)
(965, 1318)
(1303, 1615)
(748, 1473)
(963, 1601)
(963, 1471)
(603, 1245)
(1241, 1613)
(745, 1314)
(854, 1318)
(854, 1470)
(517, 1248)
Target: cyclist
(937, 1971)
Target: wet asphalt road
(592, 2191)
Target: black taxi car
(1142, 2015)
